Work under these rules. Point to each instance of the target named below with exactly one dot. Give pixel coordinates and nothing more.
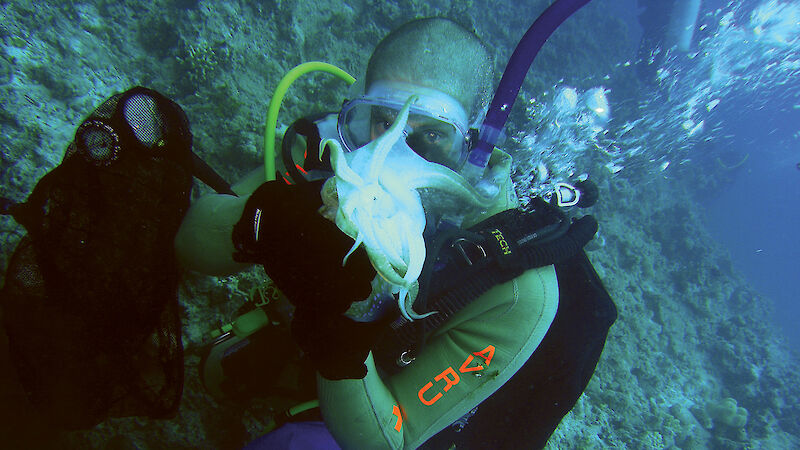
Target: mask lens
(435, 140)
(354, 125)
(432, 138)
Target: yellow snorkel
(277, 100)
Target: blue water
(737, 93)
(757, 215)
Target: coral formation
(728, 413)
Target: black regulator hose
(579, 234)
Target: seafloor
(692, 348)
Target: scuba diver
(431, 308)
(420, 291)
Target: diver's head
(436, 53)
(403, 143)
(446, 67)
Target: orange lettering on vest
(422, 392)
(396, 412)
(482, 354)
(465, 369)
(451, 381)
(451, 377)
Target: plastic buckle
(405, 358)
(567, 195)
(459, 244)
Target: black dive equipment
(302, 253)
(307, 128)
(467, 263)
(90, 301)
(255, 356)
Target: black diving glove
(301, 251)
(337, 345)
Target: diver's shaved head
(436, 53)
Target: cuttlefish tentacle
(381, 209)
(358, 241)
(391, 255)
(442, 178)
(387, 140)
(348, 215)
(385, 268)
(338, 160)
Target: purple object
(296, 436)
(514, 75)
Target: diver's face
(432, 139)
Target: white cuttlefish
(375, 195)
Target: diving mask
(436, 128)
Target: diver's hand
(337, 345)
(301, 251)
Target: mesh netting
(140, 113)
(90, 300)
(97, 142)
